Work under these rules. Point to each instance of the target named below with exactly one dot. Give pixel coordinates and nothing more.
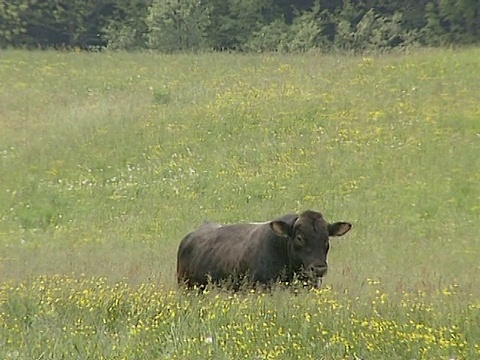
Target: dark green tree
(233, 22)
(12, 21)
(67, 23)
(461, 20)
(126, 26)
(252, 25)
(177, 25)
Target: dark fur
(263, 253)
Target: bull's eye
(300, 241)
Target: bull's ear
(281, 228)
(339, 228)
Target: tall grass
(108, 160)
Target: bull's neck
(289, 255)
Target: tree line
(243, 25)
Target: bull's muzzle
(314, 275)
(318, 271)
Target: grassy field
(107, 160)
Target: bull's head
(308, 242)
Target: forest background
(241, 25)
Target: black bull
(259, 253)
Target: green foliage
(461, 19)
(275, 36)
(245, 25)
(126, 27)
(375, 32)
(433, 33)
(451, 22)
(12, 23)
(177, 25)
(233, 23)
(371, 32)
(121, 36)
(309, 29)
(60, 22)
(346, 20)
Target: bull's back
(214, 251)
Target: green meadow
(108, 159)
